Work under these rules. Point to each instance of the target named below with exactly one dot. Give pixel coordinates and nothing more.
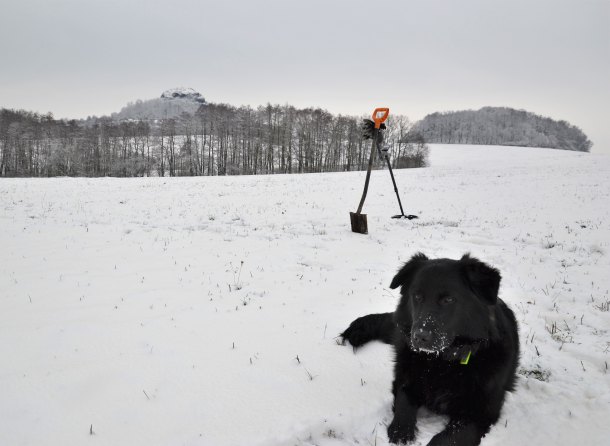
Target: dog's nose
(422, 338)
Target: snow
(182, 92)
(166, 311)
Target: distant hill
(501, 126)
(171, 104)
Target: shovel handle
(379, 119)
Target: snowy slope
(172, 311)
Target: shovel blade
(359, 223)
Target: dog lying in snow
(456, 346)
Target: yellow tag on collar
(464, 360)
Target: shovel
(357, 219)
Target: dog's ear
(482, 278)
(405, 274)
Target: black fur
(449, 310)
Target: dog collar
(464, 360)
(461, 354)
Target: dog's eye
(417, 297)
(445, 300)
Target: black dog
(456, 345)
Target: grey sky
(85, 57)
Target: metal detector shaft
(387, 159)
(402, 212)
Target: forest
(502, 126)
(181, 137)
(217, 139)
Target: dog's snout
(422, 338)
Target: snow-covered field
(204, 311)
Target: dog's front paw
(355, 334)
(400, 434)
(457, 434)
(369, 328)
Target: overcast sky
(83, 57)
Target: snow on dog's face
(445, 302)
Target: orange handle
(379, 119)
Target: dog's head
(445, 301)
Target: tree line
(217, 139)
(502, 126)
